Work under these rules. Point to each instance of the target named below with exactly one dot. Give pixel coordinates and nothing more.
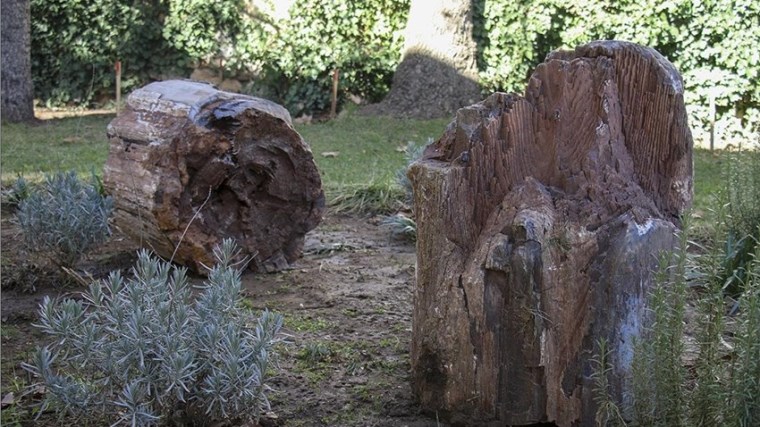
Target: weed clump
(400, 223)
(143, 351)
(63, 218)
(18, 192)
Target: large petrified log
(539, 221)
(189, 165)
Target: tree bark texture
(540, 218)
(17, 89)
(438, 72)
(189, 165)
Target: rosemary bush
(659, 393)
(741, 196)
(63, 218)
(607, 410)
(723, 388)
(142, 351)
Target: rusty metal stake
(334, 103)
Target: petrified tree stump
(539, 221)
(189, 165)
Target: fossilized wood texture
(539, 221)
(189, 165)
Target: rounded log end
(193, 165)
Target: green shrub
(660, 394)
(75, 44)
(17, 192)
(362, 39)
(744, 390)
(233, 34)
(412, 153)
(608, 412)
(724, 386)
(64, 218)
(711, 43)
(741, 223)
(372, 198)
(142, 351)
(401, 224)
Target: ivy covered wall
(714, 43)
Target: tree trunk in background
(438, 72)
(189, 166)
(539, 221)
(17, 91)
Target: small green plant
(607, 411)
(18, 192)
(660, 393)
(412, 153)
(372, 198)
(315, 352)
(744, 390)
(742, 221)
(15, 413)
(140, 351)
(64, 218)
(400, 223)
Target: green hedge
(714, 44)
(75, 42)
(360, 38)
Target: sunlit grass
(351, 152)
(367, 150)
(357, 156)
(709, 167)
(74, 143)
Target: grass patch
(74, 143)
(383, 198)
(359, 178)
(358, 172)
(9, 332)
(301, 323)
(708, 172)
(370, 149)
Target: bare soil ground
(347, 305)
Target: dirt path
(347, 306)
(348, 309)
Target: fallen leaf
(330, 154)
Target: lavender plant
(142, 351)
(17, 192)
(63, 218)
